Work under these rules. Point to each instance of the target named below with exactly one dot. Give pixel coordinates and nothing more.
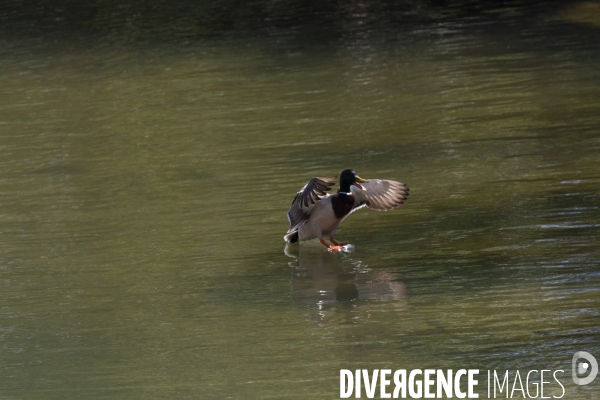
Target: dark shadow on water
(321, 278)
(136, 22)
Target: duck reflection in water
(320, 278)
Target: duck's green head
(349, 177)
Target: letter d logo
(583, 367)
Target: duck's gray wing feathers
(306, 199)
(380, 194)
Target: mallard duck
(314, 213)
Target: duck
(314, 213)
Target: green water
(144, 186)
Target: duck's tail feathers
(291, 237)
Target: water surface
(144, 182)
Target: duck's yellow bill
(359, 179)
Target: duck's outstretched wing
(380, 194)
(306, 199)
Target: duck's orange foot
(336, 249)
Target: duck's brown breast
(342, 204)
